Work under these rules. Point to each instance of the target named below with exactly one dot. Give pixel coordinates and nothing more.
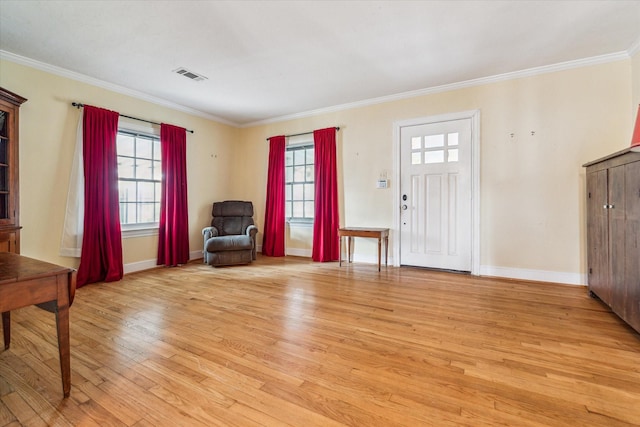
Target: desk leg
(340, 259)
(349, 238)
(379, 252)
(6, 328)
(386, 250)
(62, 324)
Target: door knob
(404, 207)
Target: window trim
(299, 144)
(139, 230)
(142, 229)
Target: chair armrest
(252, 230)
(209, 232)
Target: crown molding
(63, 72)
(602, 59)
(595, 60)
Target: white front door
(435, 195)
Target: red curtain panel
(173, 234)
(273, 235)
(635, 138)
(101, 256)
(326, 246)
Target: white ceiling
(270, 59)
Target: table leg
(386, 250)
(349, 248)
(62, 324)
(6, 328)
(379, 247)
(340, 259)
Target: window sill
(301, 223)
(138, 231)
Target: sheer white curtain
(71, 244)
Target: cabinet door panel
(617, 231)
(632, 245)
(597, 235)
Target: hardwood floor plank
(24, 413)
(289, 342)
(6, 416)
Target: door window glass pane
(453, 155)
(416, 142)
(452, 139)
(433, 141)
(416, 158)
(434, 156)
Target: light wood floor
(296, 343)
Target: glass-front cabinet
(9, 183)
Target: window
(299, 186)
(434, 148)
(139, 179)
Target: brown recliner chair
(231, 239)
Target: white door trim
(474, 115)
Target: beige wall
(48, 126)
(532, 187)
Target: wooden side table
(376, 233)
(26, 281)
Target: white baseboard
(195, 255)
(485, 270)
(152, 263)
(139, 266)
(536, 275)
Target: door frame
(474, 115)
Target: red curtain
(101, 256)
(326, 246)
(173, 235)
(273, 236)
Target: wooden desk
(26, 281)
(378, 233)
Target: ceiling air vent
(190, 74)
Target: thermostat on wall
(382, 183)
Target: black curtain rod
(78, 105)
(300, 134)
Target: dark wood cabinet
(9, 182)
(613, 233)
